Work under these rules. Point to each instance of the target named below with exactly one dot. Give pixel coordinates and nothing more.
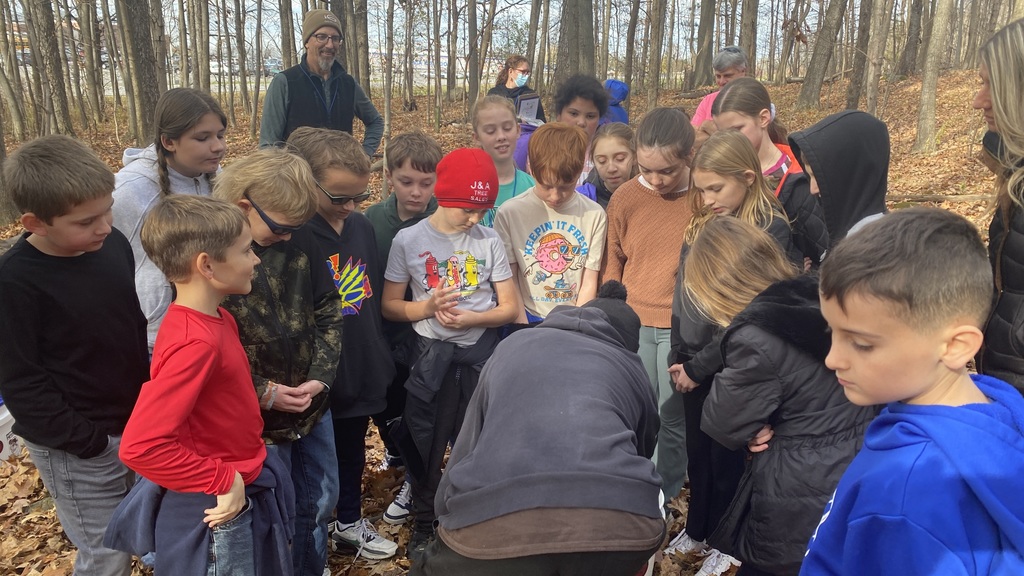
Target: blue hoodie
(618, 91)
(935, 490)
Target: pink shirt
(703, 111)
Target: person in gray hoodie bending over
(186, 152)
(551, 470)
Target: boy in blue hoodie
(936, 487)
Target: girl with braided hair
(186, 152)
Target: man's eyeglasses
(275, 228)
(323, 38)
(342, 200)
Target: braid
(161, 163)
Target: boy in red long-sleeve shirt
(196, 429)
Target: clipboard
(528, 106)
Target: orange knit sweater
(645, 236)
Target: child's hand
(759, 443)
(456, 319)
(228, 505)
(292, 400)
(312, 387)
(443, 299)
(680, 379)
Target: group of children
(230, 333)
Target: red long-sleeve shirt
(197, 420)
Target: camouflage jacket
(290, 326)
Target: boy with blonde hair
(73, 350)
(936, 487)
(290, 327)
(198, 466)
(553, 236)
(359, 391)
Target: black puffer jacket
(775, 374)
(1003, 355)
(810, 234)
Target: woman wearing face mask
(511, 84)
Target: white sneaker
(683, 544)
(400, 509)
(363, 538)
(716, 564)
(327, 571)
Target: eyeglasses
(323, 38)
(342, 200)
(523, 72)
(275, 228)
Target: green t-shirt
(521, 183)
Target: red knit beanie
(466, 178)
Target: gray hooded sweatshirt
(136, 191)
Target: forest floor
(31, 542)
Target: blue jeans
(314, 466)
(85, 493)
(231, 546)
(670, 455)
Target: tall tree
(541, 66)
(183, 51)
(856, 86)
(362, 45)
(243, 55)
(926, 132)
(453, 47)
(389, 59)
(748, 31)
(473, 62)
(702, 74)
(880, 12)
(42, 22)
(907, 63)
(792, 33)
(810, 92)
(604, 50)
(134, 17)
(531, 41)
(91, 44)
(657, 18)
(254, 126)
(288, 49)
(575, 40)
(157, 28)
(10, 86)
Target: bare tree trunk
(225, 31)
(541, 65)
(856, 86)
(90, 43)
(634, 17)
(702, 74)
(183, 51)
(438, 103)
(748, 32)
(880, 13)
(10, 87)
(657, 18)
(453, 48)
(973, 31)
(254, 125)
(410, 43)
(362, 47)
(68, 56)
(485, 43)
(645, 43)
(46, 41)
(243, 55)
(134, 17)
(926, 133)
(389, 42)
(908, 58)
(288, 48)
(203, 34)
(473, 42)
(156, 19)
(114, 56)
(810, 92)
(605, 43)
(575, 40)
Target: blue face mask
(522, 79)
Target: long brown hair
(177, 111)
(510, 63)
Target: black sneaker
(418, 544)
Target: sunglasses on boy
(342, 200)
(275, 228)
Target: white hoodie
(136, 191)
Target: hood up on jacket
(848, 152)
(617, 91)
(791, 310)
(590, 321)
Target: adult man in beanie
(455, 270)
(551, 471)
(318, 92)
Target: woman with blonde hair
(998, 97)
(774, 386)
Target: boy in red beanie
(455, 268)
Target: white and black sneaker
(362, 538)
(400, 509)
